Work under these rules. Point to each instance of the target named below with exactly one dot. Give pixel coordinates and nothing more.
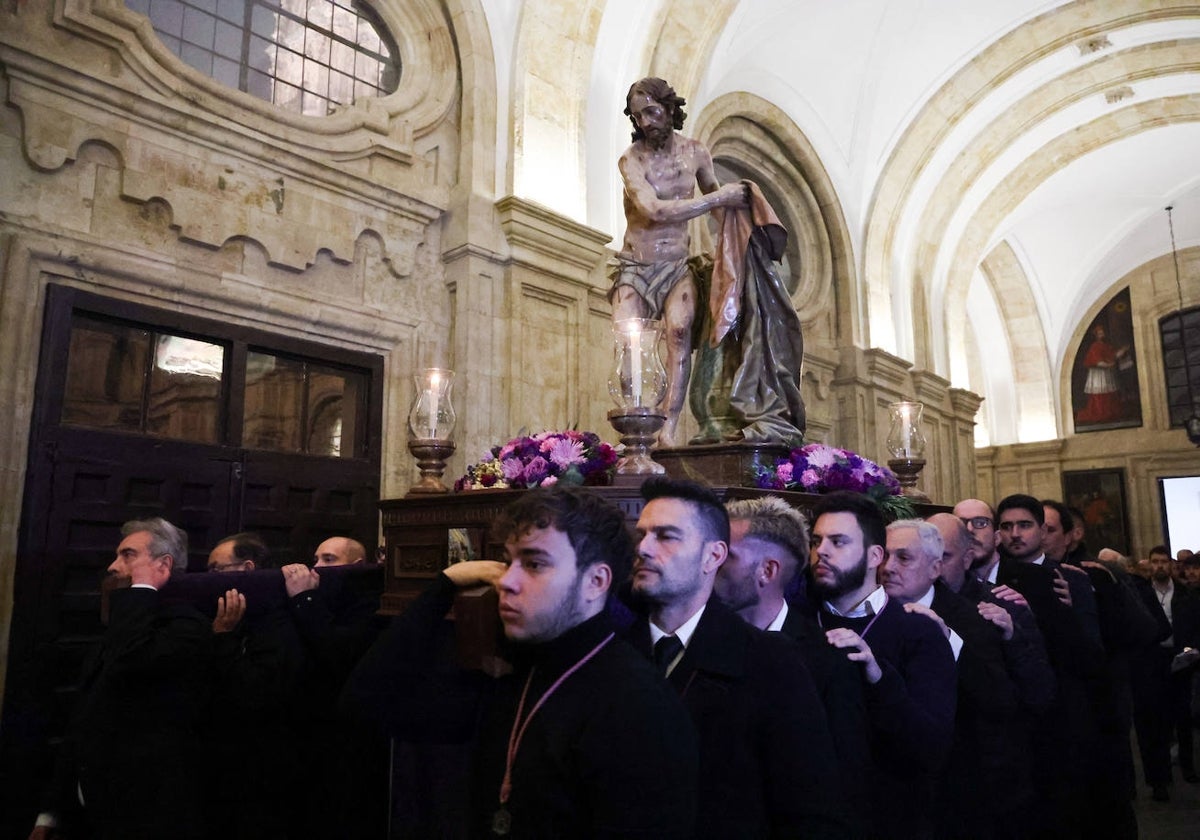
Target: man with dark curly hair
(582, 739)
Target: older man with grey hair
(987, 699)
(128, 765)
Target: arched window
(1181, 363)
(308, 56)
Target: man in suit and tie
(765, 747)
(986, 710)
(1161, 695)
(128, 767)
(768, 554)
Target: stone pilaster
(559, 347)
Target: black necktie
(665, 651)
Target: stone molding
(545, 240)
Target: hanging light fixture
(1192, 424)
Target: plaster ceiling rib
(1001, 147)
(958, 98)
(1121, 123)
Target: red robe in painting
(1103, 391)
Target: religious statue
(747, 383)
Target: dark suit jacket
(132, 746)
(976, 784)
(912, 716)
(1083, 598)
(1066, 738)
(765, 747)
(839, 685)
(1024, 654)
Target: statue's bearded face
(653, 118)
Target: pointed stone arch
(1032, 406)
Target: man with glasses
(980, 522)
(1007, 773)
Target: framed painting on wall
(1105, 393)
(1100, 494)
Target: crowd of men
(207, 722)
(732, 671)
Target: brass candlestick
(907, 470)
(431, 455)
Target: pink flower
(549, 481)
(565, 452)
(785, 472)
(810, 478)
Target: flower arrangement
(818, 468)
(569, 457)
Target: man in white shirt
(129, 764)
(907, 664)
(765, 746)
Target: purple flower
(535, 471)
(512, 468)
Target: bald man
(339, 551)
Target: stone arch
(684, 38)
(889, 257)
(931, 265)
(1032, 405)
(754, 139)
(551, 73)
(1020, 182)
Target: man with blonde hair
(768, 555)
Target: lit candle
(435, 380)
(906, 431)
(635, 361)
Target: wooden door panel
(295, 502)
(98, 482)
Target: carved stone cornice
(886, 370)
(547, 241)
(928, 387)
(965, 403)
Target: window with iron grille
(1181, 363)
(307, 56)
